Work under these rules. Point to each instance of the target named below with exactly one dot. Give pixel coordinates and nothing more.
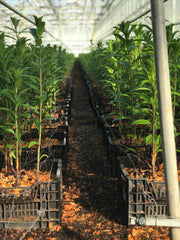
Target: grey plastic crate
(141, 197)
(36, 206)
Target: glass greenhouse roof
(70, 23)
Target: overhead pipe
(143, 14)
(16, 11)
(54, 10)
(135, 19)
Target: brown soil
(90, 206)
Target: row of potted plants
(121, 78)
(123, 74)
(35, 95)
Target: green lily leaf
(7, 110)
(32, 143)
(131, 150)
(36, 122)
(141, 122)
(149, 139)
(13, 154)
(15, 22)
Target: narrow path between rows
(89, 190)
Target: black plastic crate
(113, 150)
(64, 107)
(36, 206)
(48, 132)
(140, 197)
(52, 151)
(29, 155)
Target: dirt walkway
(87, 172)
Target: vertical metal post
(165, 110)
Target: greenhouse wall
(130, 10)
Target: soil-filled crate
(62, 126)
(117, 145)
(38, 205)
(64, 108)
(69, 86)
(64, 101)
(113, 150)
(140, 198)
(50, 149)
(55, 147)
(58, 122)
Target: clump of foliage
(125, 69)
(31, 76)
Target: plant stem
(119, 108)
(40, 114)
(5, 138)
(130, 67)
(5, 156)
(175, 88)
(11, 161)
(17, 141)
(154, 134)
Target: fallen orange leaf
(130, 237)
(57, 228)
(134, 232)
(50, 238)
(50, 225)
(96, 233)
(98, 225)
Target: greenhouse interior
(76, 25)
(90, 119)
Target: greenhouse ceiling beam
(15, 11)
(176, 23)
(104, 8)
(54, 10)
(23, 16)
(143, 14)
(83, 10)
(140, 16)
(77, 25)
(80, 7)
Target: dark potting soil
(90, 199)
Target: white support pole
(165, 111)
